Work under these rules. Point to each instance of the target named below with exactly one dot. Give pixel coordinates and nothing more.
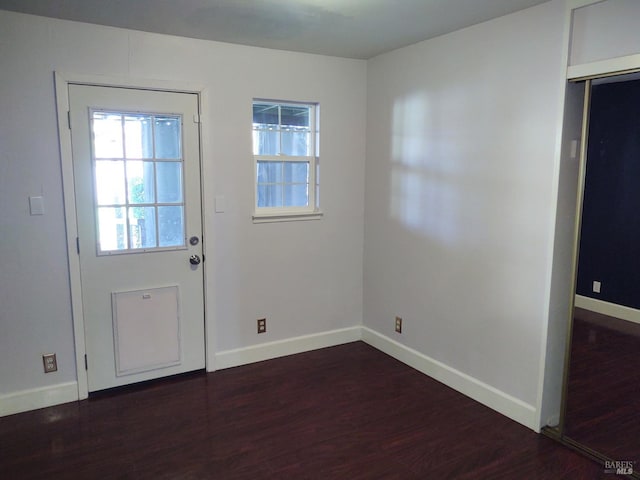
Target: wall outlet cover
(262, 325)
(50, 362)
(398, 324)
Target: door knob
(194, 260)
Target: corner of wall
(481, 392)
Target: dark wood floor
(347, 412)
(603, 401)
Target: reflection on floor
(345, 413)
(603, 401)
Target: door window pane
(107, 135)
(171, 226)
(168, 137)
(112, 228)
(138, 136)
(140, 180)
(142, 227)
(169, 182)
(110, 182)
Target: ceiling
(343, 28)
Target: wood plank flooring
(347, 412)
(603, 401)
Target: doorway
(138, 216)
(603, 363)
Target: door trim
(62, 81)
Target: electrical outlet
(262, 325)
(398, 324)
(596, 286)
(50, 362)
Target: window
(138, 170)
(285, 152)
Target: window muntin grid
(138, 181)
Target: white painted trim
(71, 228)
(207, 170)
(574, 4)
(36, 398)
(286, 217)
(62, 82)
(289, 346)
(130, 82)
(608, 67)
(544, 368)
(609, 309)
(493, 398)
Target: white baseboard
(609, 309)
(36, 398)
(289, 346)
(493, 398)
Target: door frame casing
(62, 82)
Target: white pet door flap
(146, 326)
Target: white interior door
(136, 165)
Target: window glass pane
(168, 137)
(296, 141)
(112, 228)
(171, 226)
(294, 116)
(140, 182)
(296, 172)
(107, 135)
(266, 140)
(110, 182)
(169, 182)
(284, 130)
(142, 226)
(270, 196)
(138, 136)
(266, 114)
(269, 172)
(296, 196)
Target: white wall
(463, 182)
(605, 30)
(305, 277)
(462, 135)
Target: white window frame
(310, 211)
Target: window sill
(286, 217)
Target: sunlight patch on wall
(423, 195)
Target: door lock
(194, 260)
